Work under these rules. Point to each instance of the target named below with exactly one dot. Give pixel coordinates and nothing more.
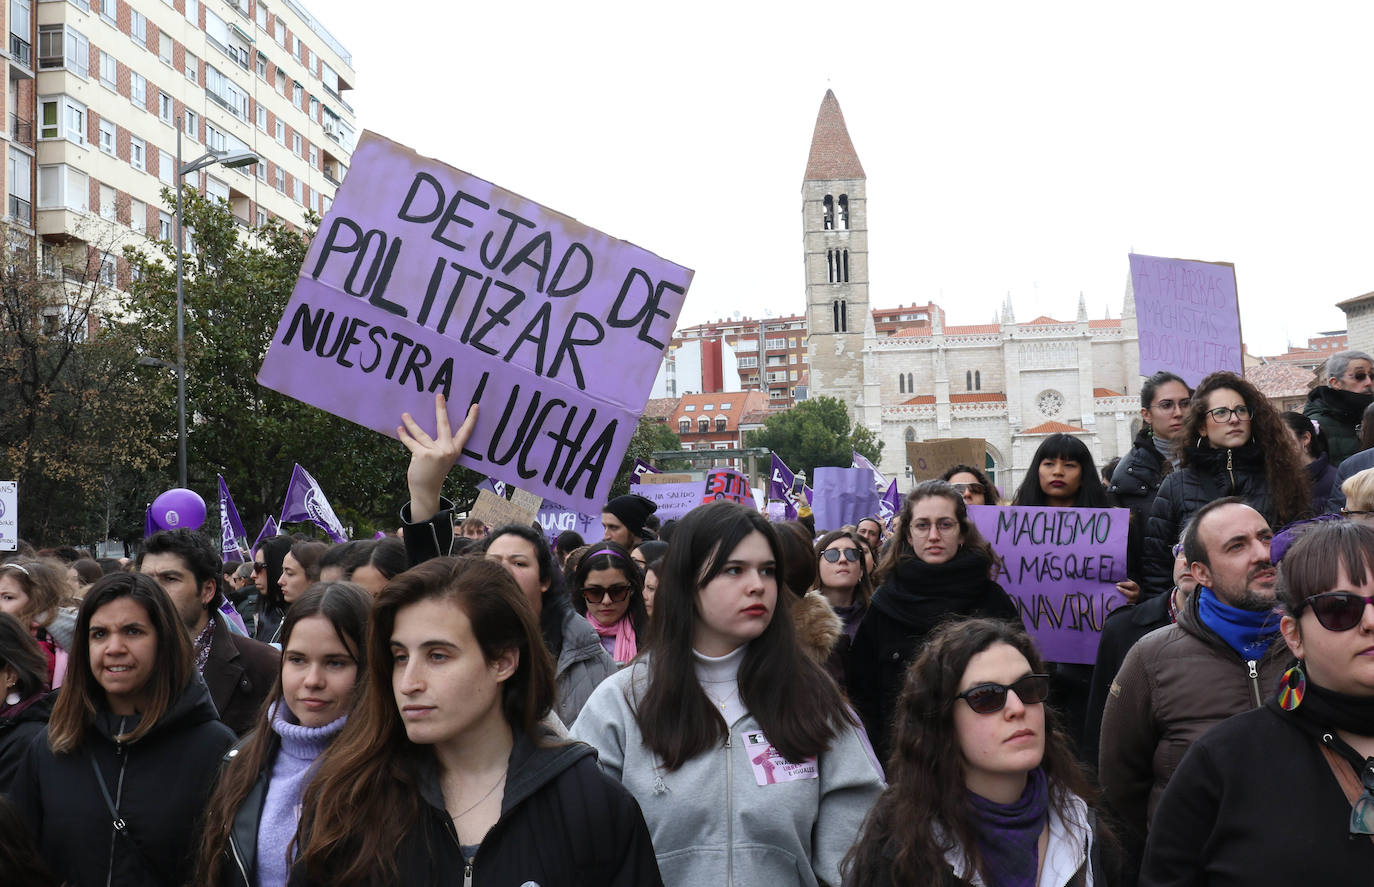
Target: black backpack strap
(121, 827)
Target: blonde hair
(1359, 491)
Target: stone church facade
(1009, 383)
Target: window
(314, 157)
(164, 46)
(295, 46)
(837, 265)
(748, 362)
(261, 170)
(138, 89)
(296, 190)
(138, 215)
(109, 70)
(910, 384)
(260, 16)
(310, 60)
(226, 92)
(720, 423)
(314, 108)
(977, 380)
(296, 143)
(279, 182)
(193, 12)
(108, 197)
(842, 219)
(690, 407)
(192, 68)
(62, 117)
(107, 135)
(164, 226)
(63, 187)
(166, 168)
(107, 271)
(771, 344)
(279, 32)
(901, 384)
(297, 95)
(684, 426)
(828, 213)
(261, 217)
(262, 64)
(281, 133)
(968, 380)
(138, 153)
(109, 11)
(190, 123)
(909, 435)
(138, 27)
(262, 118)
(164, 107)
(214, 139)
(841, 312)
(216, 189)
(703, 424)
(63, 47)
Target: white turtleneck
(718, 676)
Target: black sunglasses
(593, 594)
(975, 489)
(1337, 610)
(834, 554)
(987, 699)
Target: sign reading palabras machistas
(1061, 566)
(424, 279)
(1187, 316)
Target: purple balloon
(179, 509)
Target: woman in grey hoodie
(739, 748)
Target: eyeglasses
(1224, 414)
(1359, 376)
(1337, 610)
(834, 554)
(975, 489)
(986, 699)
(594, 594)
(259, 567)
(944, 525)
(1167, 406)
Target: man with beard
(1338, 405)
(1223, 656)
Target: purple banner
(673, 500)
(1061, 566)
(858, 460)
(305, 501)
(233, 538)
(425, 279)
(843, 496)
(268, 529)
(1187, 316)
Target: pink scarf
(623, 632)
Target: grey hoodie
(711, 821)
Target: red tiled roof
(1044, 319)
(1106, 392)
(1280, 379)
(832, 153)
(919, 399)
(1300, 356)
(1053, 427)
(911, 332)
(1106, 323)
(660, 407)
(970, 329)
(978, 397)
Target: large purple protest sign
(423, 279)
(843, 496)
(1061, 566)
(1187, 316)
(673, 500)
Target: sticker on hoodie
(770, 767)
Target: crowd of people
(722, 699)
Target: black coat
(17, 731)
(238, 862)
(240, 673)
(563, 823)
(904, 610)
(1135, 483)
(1207, 475)
(1122, 629)
(160, 785)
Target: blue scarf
(1248, 632)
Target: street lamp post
(229, 160)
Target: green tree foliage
(237, 285)
(651, 436)
(816, 433)
(84, 425)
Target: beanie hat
(632, 510)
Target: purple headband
(609, 551)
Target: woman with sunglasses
(737, 745)
(608, 590)
(972, 484)
(1284, 794)
(1234, 444)
(982, 786)
(842, 577)
(938, 565)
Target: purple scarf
(1009, 834)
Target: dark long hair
(1300, 425)
(1285, 478)
(924, 811)
(274, 550)
(863, 591)
(82, 696)
(1091, 493)
(990, 494)
(346, 607)
(795, 702)
(607, 555)
(365, 796)
(20, 652)
(900, 548)
(554, 600)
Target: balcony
(20, 210)
(21, 130)
(21, 57)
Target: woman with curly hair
(982, 786)
(1233, 444)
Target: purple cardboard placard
(1187, 316)
(1061, 568)
(843, 496)
(424, 279)
(555, 519)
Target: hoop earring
(1292, 688)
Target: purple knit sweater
(292, 768)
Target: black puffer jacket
(17, 730)
(563, 823)
(159, 785)
(1135, 483)
(1207, 474)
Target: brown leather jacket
(1176, 683)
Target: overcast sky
(1021, 148)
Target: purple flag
(496, 486)
(268, 529)
(233, 538)
(859, 461)
(149, 528)
(843, 496)
(890, 504)
(380, 534)
(640, 469)
(305, 501)
(424, 279)
(780, 481)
